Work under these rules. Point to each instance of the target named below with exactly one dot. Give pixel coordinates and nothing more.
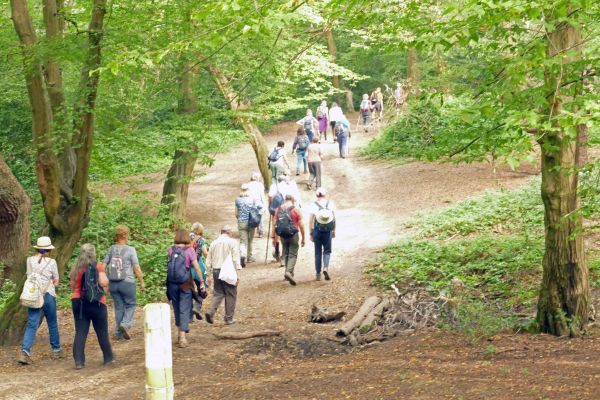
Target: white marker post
(159, 359)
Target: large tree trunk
(335, 79)
(412, 72)
(176, 187)
(564, 299)
(255, 137)
(15, 237)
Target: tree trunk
(177, 183)
(255, 137)
(564, 298)
(335, 79)
(15, 237)
(412, 72)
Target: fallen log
(361, 314)
(375, 315)
(246, 335)
(321, 315)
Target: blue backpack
(177, 270)
(276, 202)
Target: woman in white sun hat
(41, 263)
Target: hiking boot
(198, 315)
(275, 256)
(24, 359)
(182, 342)
(209, 318)
(78, 366)
(232, 322)
(124, 332)
(318, 277)
(250, 260)
(57, 355)
(243, 262)
(108, 364)
(288, 277)
(326, 275)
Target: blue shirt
(243, 205)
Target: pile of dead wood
(380, 318)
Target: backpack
(320, 113)
(32, 295)
(177, 270)
(308, 124)
(276, 202)
(338, 128)
(365, 107)
(116, 266)
(274, 156)
(324, 213)
(254, 217)
(303, 142)
(284, 225)
(90, 288)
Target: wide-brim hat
(44, 243)
(324, 216)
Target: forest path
(374, 199)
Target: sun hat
(321, 192)
(226, 228)
(324, 216)
(44, 243)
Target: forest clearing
(391, 199)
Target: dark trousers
(223, 291)
(85, 312)
(290, 248)
(182, 305)
(315, 173)
(322, 249)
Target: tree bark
(335, 79)
(176, 186)
(412, 72)
(255, 137)
(564, 298)
(15, 237)
(359, 317)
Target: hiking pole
(268, 237)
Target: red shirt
(294, 214)
(77, 285)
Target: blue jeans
(124, 300)
(322, 249)
(182, 305)
(342, 142)
(33, 322)
(310, 134)
(301, 160)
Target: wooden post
(159, 359)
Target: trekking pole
(268, 237)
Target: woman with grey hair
(86, 308)
(256, 189)
(243, 204)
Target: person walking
(88, 302)
(322, 231)
(365, 111)
(257, 192)
(181, 258)
(47, 271)
(399, 97)
(342, 132)
(288, 222)
(224, 250)
(243, 206)
(300, 145)
(314, 164)
(310, 124)
(322, 114)
(199, 246)
(277, 161)
(335, 114)
(123, 266)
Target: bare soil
(374, 199)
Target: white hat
(324, 216)
(321, 192)
(44, 243)
(244, 187)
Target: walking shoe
(24, 359)
(243, 262)
(57, 355)
(183, 343)
(288, 277)
(209, 318)
(275, 256)
(326, 274)
(318, 277)
(78, 366)
(250, 260)
(232, 322)
(198, 315)
(109, 364)
(124, 332)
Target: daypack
(308, 124)
(254, 217)
(33, 292)
(303, 142)
(284, 225)
(116, 266)
(177, 270)
(365, 107)
(274, 156)
(338, 128)
(276, 202)
(324, 214)
(90, 288)
(320, 113)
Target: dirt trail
(373, 200)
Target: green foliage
(7, 292)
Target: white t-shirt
(287, 188)
(47, 269)
(336, 114)
(256, 190)
(281, 160)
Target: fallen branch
(375, 315)
(246, 335)
(358, 318)
(321, 315)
